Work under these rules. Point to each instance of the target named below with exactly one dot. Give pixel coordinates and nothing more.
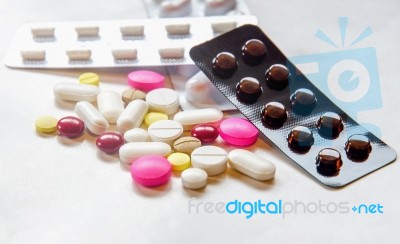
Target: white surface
(64, 191)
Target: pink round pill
(238, 132)
(145, 80)
(151, 171)
(109, 142)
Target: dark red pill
(205, 133)
(71, 127)
(109, 142)
(329, 162)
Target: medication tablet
(132, 94)
(132, 116)
(238, 132)
(70, 127)
(76, 92)
(46, 124)
(94, 121)
(132, 30)
(79, 54)
(212, 159)
(33, 55)
(145, 80)
(218, 7)
(110, 105)
(89, 78)
(39, 32)
(125, 54)
(136, 135)
(151, 171)
(87, 31)
(152, 117)
(179, 161)
(165, 131)
(194, 178)
(176, 8)
(222, 27)
(187, 144)
(131, 151)
(251, 164)
(190, 118)
(178, 29)
(163, 100)
(205, 133)
(171, 52)
(197, 89)
(109, 142)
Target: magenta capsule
(109, 142)
(71, 127)
(205, 133)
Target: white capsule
(218, 7)
(163, 100)
(92, 118)
(79, 54)
(171, 52)
(87, 31)
(251, 164)
(211, 159)
(38, 32)
(194, 178)
(165, 131)
(132, 116)
(222, 27)
(136, 135)
(197, 89)
(128, 53)
(33, 55)
(190, 118)
(110, 105)
(178, 29)
(76, 92)
(132, 30)
(131, 151)
(175, 8)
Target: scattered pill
(300, 139)
(186, 144)
(197, 88)
(145, 80)
(109, 142)
(206, 133)
(33, 55)
(110, 105)
(328, 162)
(178, 29)
(358, 147)
(40, 32)
(94, 121)
(248, 90)
(151, 171)
(277, 77)
(132, 116)
(152, 117)
(87, 31)
(125, 54)
(46, 124)
(136, 135)
(163, 100)
(330, 125)
(225, 64)
(171, 52)
(254, 51)
(194, 178)
(131, 151)
(218, 7)
(190, 118)
(175, 8)
(222, 27)
(179, 161)
(212, 159)
(165, 131)
(79, 54)
(132, 30)
(251, 164)
(71, 127)
(274, 115)
(89, 78)
(238, 132)
(131, 94)
(76, 92)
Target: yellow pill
(179, 161)
(46, 124)
(152, 117)
(89, 79)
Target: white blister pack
(115, 43)
(194, 8)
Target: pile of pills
(172, 141)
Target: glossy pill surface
(225, 64)
(206, 133)
(248, 90)
(145, 80)
(277, 77)
(238, 132)
(328, 162)
(151, 171)
(330, 125)
(71, 127)
(109, 142)
(300, 139)
(303, 101)
(358, 147)
(274, 115)
(254, 51)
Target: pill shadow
(66, 105)
(217, 179)
(46, 135)
(261, 185)
(71, 142)
(152, 191)
(107, 158)
(194, 193)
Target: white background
(59, 191)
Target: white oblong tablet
(42, 32)
(163, 100)
(251, 164)
(211, 159)
(171, 52)
(132, 116)
(92, 118)
(223, 26)
(194, 178)
(165, 131)
(132, 30)
(218, 7)
(128, 53)
(79, 54)
(136, 135)
(76, 92)
(33, 55)
(131, 151)
(87, 31)
(178, 29)
(176, 8)
(200, 116)
(197, 88)
(110, 105)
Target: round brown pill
(132, 94)
(358, 147)
(248, 90)
(328, 162)
(277, 77)
(254, 51)
(330, 125)
(274, 114)
(186, 144)
(300, 139)
(224, 64)
(303, 101)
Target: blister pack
(248, 68)
(115, 43)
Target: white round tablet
(136, 135)
(194, 178)
(163, 100)
(165, 131)
(212, 159)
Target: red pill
(71, 127)
(205, 133)
(109, 142)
